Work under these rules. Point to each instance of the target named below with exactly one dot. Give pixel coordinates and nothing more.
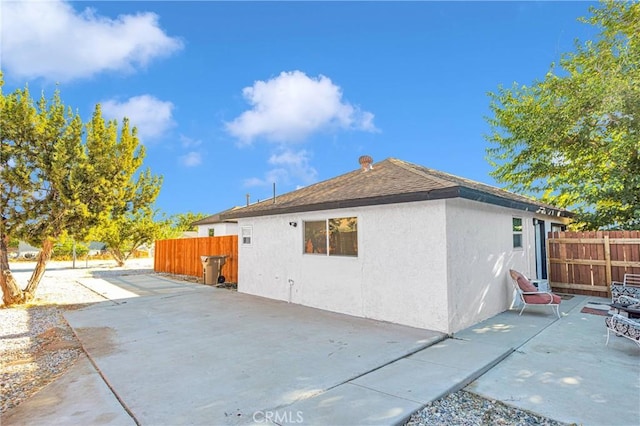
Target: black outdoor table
(632, 311)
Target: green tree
(573, 138)
(164, 228)
(128, 232)
(182, 222)
(127, 221)
(52, 181)
(65, 247)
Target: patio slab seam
(407, 355)
(422, 403)
(104, 378)
(351, 380)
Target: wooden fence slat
(579, 261)
(634, 255)
(587, 262)
(607, 258)
(182, 256)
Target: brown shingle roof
(389, 181)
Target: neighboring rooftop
(215, 218)
(387, 182)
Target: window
(343, 236)
(212, 232)
(247, 235)
(339, 234)
(517, 232)
(315, 237)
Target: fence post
(547, 248)
(607, 258)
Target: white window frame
(304, 241)
(514, 232)
(327, 237)
(248, 235)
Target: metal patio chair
(529, 295)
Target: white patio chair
(628, 300)
(623, 326)
(529, 295)
(630, 286)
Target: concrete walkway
(190, 354)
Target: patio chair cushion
(539, 299)
(525, 285)
(529, 294)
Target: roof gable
(389, 181)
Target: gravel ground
(36, 343)
(466, 408)
(37, 346)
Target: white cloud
(250, 182)
(150, 115)
(292, 106)
(288, 166)
(51, 39)
(191, 159)
(188, 142)
(296, 164)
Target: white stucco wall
(441, 265)
(404, 267)
(399, 274)
(480, 254)
(220, 229)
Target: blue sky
(230, 97)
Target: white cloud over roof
(287, 166)
(50, 39)
(191, 159)
(292, 106)
(152, 116)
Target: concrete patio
(189, 354)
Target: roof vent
(365, 162)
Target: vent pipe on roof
(366, 162)
(274, 192)
(248, 198)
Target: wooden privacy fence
(587, 262)
(182, 256)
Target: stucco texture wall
(399, 274)
(220, 229)
(440, 265)
(480, 253)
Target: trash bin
(211, 268)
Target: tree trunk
(11, 292)
(117, 256)
(43, 258)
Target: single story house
(394, 241)
(96, 248)
(214, 226)
(27, 251)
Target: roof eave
(211, 222)
(435, 194)
(484, 197)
